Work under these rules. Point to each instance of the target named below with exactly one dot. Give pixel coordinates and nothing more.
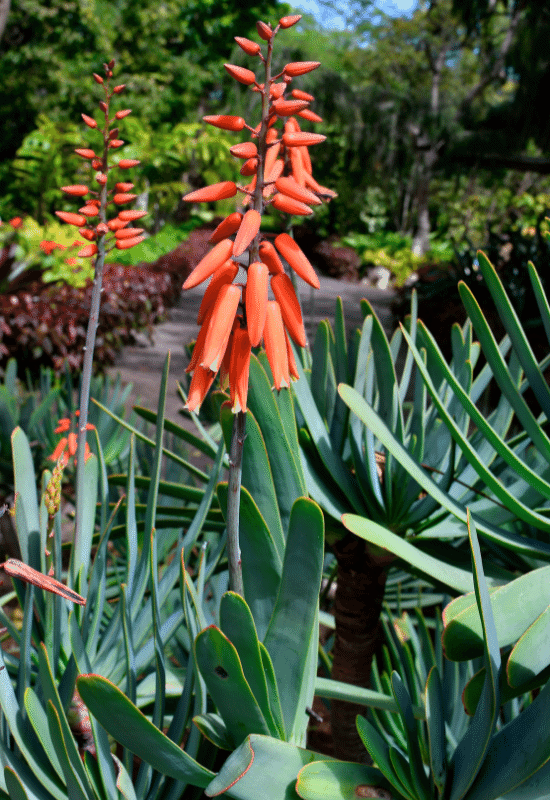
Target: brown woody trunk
(359, 594)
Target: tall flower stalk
(236, 317)
(102, 234)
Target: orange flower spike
(200, 384)
(290, 307)
(248, 230)
(227, 228)
(275, 346)
(225, 274)
(289, 250)
(241, 74)
(239, 368)
(269, 256)
(256, 300)
(209, 194)
(210, 263)
(63, 425)
(291, 188)
(221, 323)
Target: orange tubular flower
(288, 248)
(72, 219)
(238, 370)
(256, 300)
(275, 346)
(220, 326)
(248, 229)
(227, 228)
(235, 317)
(210, 263)
(125, 244)
(209, 194)
(290, 307)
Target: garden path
(142, 365)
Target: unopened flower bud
(88, 251)
(265, 31)
(124, 187)
(113, 134)
(116, 143)
(97, 163)
(125, 244)
(300, 67)
(85, 153)
(123, 113)
(119, 89)
(124, 197)
(91, 123)
(241, 74)
(89, 210)
(98, 78)
(225, 122)
(101, 178)
(79, 190)
(288, 22)
(86, 233)
(128, 163)
(111, 63)
(249, 47)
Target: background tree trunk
(359, 594)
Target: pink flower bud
(70, 218)
(88, 251)
(103, 105)
(91, 123)
(124, 187)
(85, 153)
(130, 216)
(225, 122)
(123, 113)
(89, 210)
(125, 244)
(123, 197)
(264, 31)
(249, 47)
(116, 143)
(127, 163)
(288, 22)
(97, 78)
(300, 95)
(300, 68)
(119, 89)
(128, 233)
(241, 74)
(79, 190)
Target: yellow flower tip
(248, 229)
(275, 346)
(239, 370)
(220, 325)
(256, 300)
(289, 250)
(210, 263)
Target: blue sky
(331, 20)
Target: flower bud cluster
(67, 446)
(91, 219)
(235, 317)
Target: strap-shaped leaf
(15, 786)
(257, 475)
(531, 654)
(519, 544)
(27, 520)
(336, 690)
(513, 326)
(420, 782)
(261, 766)
(237, 624)
(261, 563)
(339, 780)
(379, 752)
(133, 730)
(516, 606)
(293, 625)
(214, 729)
(223, 674)
(471, 751)
(78, 785)
(435, 719)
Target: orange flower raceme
(67, 445)
(234, 318)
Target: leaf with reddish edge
(289, 250)
(248, 229)
(125, 722)
(227, 228)
(210, 263)
(256, 300)
(209, 194)
(225, 121)
(290, 307)
(17, 569)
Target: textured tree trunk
(361, 579)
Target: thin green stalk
(234, 502)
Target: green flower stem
(233, 503)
